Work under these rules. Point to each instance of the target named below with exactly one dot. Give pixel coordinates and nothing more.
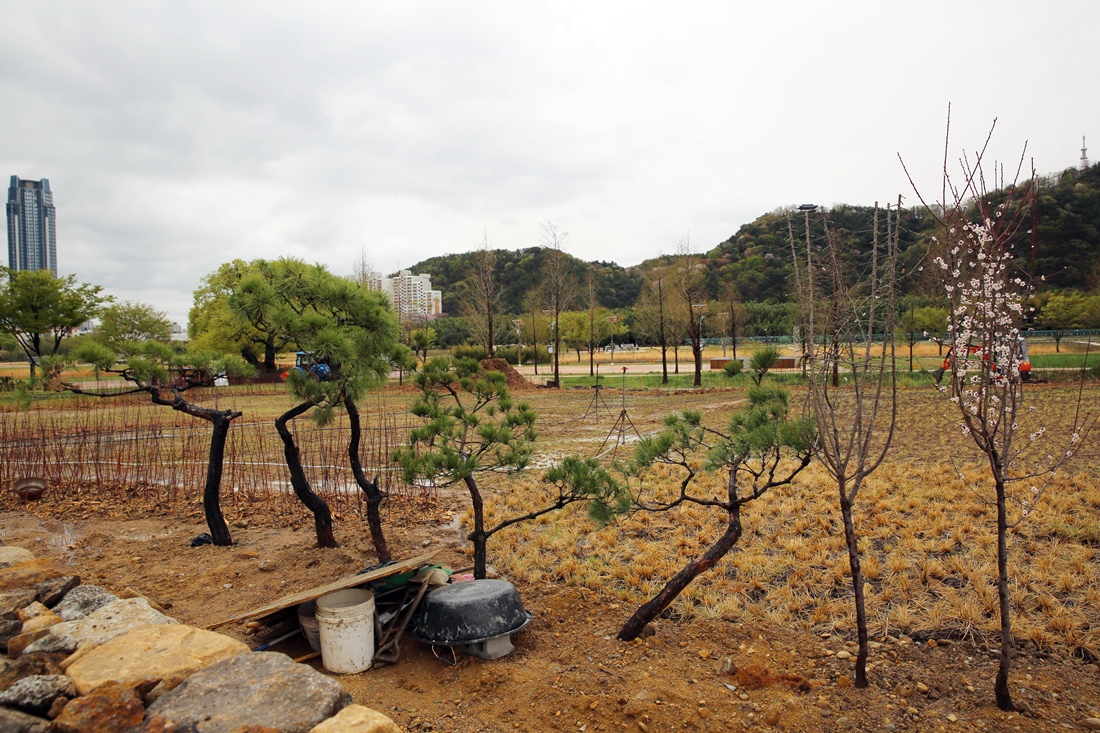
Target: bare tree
(651, 318)
(362, 270)
(483, 294)
(988, 297)
(855, 417)
(690, 282)
(559, 286)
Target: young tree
(690, 282)
(421, 339)
(36, 304)
(123, 326)
(932, 321)
(1063, 312)
(988, 298)
(558, 284)
(651, 319)
(762, 448)
(155, 369)
(470, 426)
(483, 294)
(855, 416)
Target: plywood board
(313, 593)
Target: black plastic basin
(471, 611)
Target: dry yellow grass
(926, 536)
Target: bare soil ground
(568, 673)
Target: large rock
(83, 600)
(254, 689)
(36, 694)
(171, 653)
(114, 619)
(357, 719)
(14, 600)
(42, 621)
(29, 665)
(12, 555)
(29, 574)
(15, 721)
(113, 708)
(51, 590)
(53, 643)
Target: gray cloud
(178, 136)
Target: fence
(124, 450)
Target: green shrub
(732, 368)
(469, 351)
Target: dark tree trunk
(478, 537)
(852, 541)
(664, 363)
(651, 609)
(211, 494)
(269, 356)
(697, 352)
(211, 501)
(1004, 697)
(322, 517)
(375, 495)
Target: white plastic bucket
(307, 619)
(345, 621)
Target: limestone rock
(357, 719)
(170, 652)
(19, 642)
(13, 600)
(114, 619)
(31, 610)
(52, 590)
(254, 689)
(129, 592)
(112, 708)
(37, 693)
(44, 621)
(53, 643)
(29, 665)
(29, 574)
(82, 601)
(15, 721)
(12, 555)
(8, 629)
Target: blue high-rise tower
(32, 226)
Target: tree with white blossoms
(988, 298)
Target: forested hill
(520, 273)
(757, 258)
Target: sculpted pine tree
(762, 448)
(348, 334)
(155, 369)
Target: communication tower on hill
(1084, 154)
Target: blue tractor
(306, 364)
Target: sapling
(855, 416)
(989, 296)
(762, 448)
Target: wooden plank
(313, 593)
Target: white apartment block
(410, 295)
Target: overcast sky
(177, 136)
